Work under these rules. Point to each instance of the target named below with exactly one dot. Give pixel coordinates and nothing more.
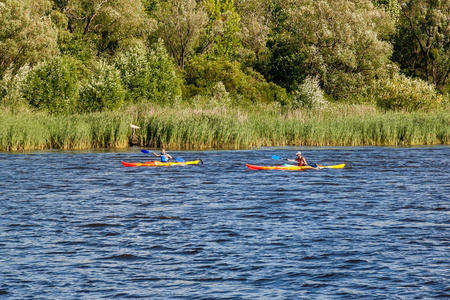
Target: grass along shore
(195, 129)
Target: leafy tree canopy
(27, 34)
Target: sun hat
(298, 153)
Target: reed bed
(36, 130)
(188, 128)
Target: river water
(79, 225)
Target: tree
(340, 42)
(107, 24)
(53, 85)
(422, 45)
(149, 75)
(181, 22)
(221, 33)
(27, 35)
(391, 6)
(255, 18)
(103, 90)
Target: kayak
(154, 163)
(294, 168)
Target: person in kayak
(164, 156)
(301, 161)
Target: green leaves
(403, 93)
(181, 22)
(27, 35)
(149, 76)
(53, 86)
(104, 89)
(423, 41)
(331, 39)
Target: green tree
(340, 42)
(255, 18)
(180, 24)
(27, 35)
(107, 24)
(221, 33)
(404, 93)
(422, 45)
(391, 6)
(149, 75)
(103, 90)
(202, 76)
(53, 86)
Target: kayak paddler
(301, 161)
(164, 156)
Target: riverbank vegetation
(197, 74)
(219, 127)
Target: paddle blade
(276, 157)
(179, 159)
(145, 151)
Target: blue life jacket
(164, 158)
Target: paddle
(176, 158)
(277, 157)
(312, 165)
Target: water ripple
(78, 225)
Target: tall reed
(232, 128)
(37, 130)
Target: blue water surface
(79, 225)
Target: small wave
(309, 258)
(355, 261)
(168, 218)
(328, 276)
(314, 284)
(20, 225)
(190, 251)
(159, 247)
(112, 233)
(96, 225)
(222, 240)
(440, 209)
(123, 257)
(212, 279)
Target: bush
(309, 94)
(11, 89)
(53, 86)
(403, 93)
(201, 75)
(149, 76)
(104, 89)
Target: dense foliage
(85, 56)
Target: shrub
(53, 86)
(11, 89)
(149, 76)
(202, 74)
(104, 89)
(403, 93)
(219, 95)
(309, 94)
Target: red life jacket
(300, 162)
